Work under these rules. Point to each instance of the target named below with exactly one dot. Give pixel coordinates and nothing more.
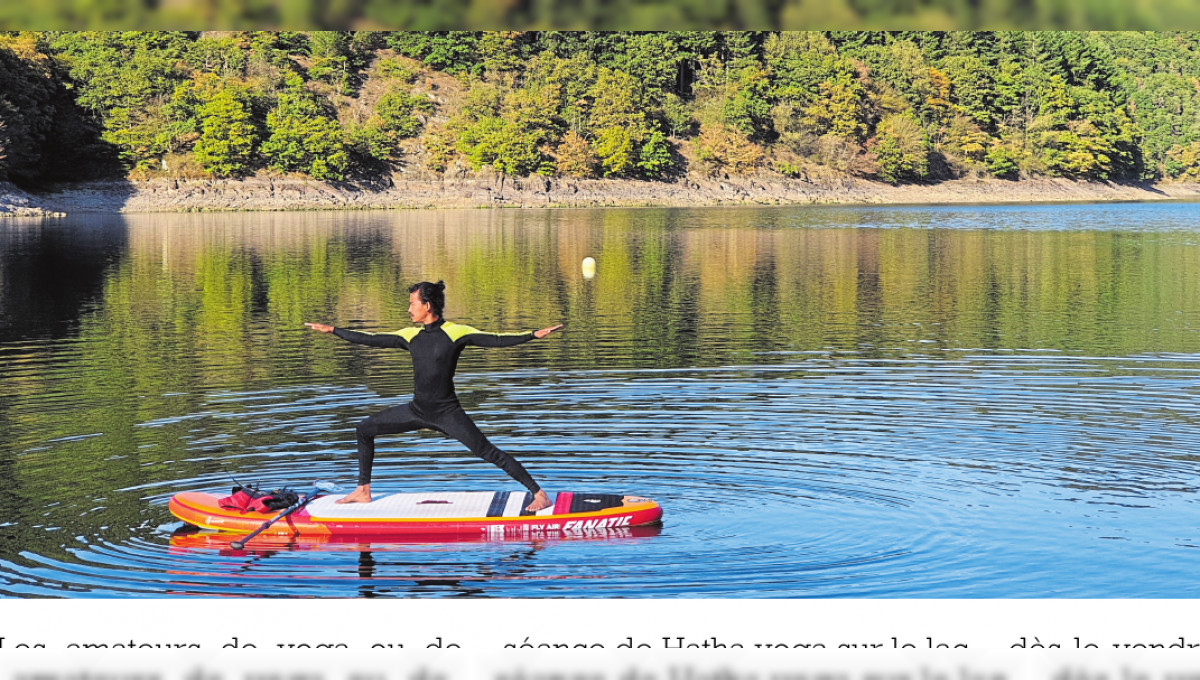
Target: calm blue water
(828, 402)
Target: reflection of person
(435, 347)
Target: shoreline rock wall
(282, 194)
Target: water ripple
(816, 475)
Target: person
(435, 346)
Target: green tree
(225, 56)
(228, 136)
(449, 51)
(125, 79)
(397, 111)
(303, 139)
(1003, 161)
(330, 53)
(901, 148)
(840, 109)
(902, 65)
(655, 158)
(491, 140)
(617, 151)
(974, 92)
(748, 108)
(1183, 161)
(43, 136)
(616, 103)
(798, 62)
(501, 54)
(654, 59)
(723, 148)
(1167, 108)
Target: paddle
(318, 489)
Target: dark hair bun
(441, 285)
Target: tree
(449, 51)
(747, 108)
(1167, 109)
(652, 58)
(974, 92)
(303, 139)
(903, 66)
(1183, 161)
(616, 150)
(901, 148)
(125, 78)
(798, 62)
(962, 139)
(654, 158)
(397, 112)
(839, 110)
(500, 54)
(330, 53)
(575, 157)
(224, 56)
(491, 140)
(27, 108)
(722, 148)
(3, 150)
(1002, 161)
(228, 136)
(616, 102)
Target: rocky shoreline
(484, 191)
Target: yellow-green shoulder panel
(457, 330)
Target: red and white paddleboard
(483, 514)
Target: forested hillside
(355, 106)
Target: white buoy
(589, 268)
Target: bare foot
(361, 494)
(540, 502)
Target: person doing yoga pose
(435, 346)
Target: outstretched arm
(470, 336)
(370, 339)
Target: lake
(891, 402)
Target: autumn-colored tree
(723, 148)
(575, 157)
(1183, 162)
(938, 100)
(839, 109)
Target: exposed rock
(490, 190)
(16, 203)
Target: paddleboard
(188, 538)
(483, 514)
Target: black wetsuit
(435, 349)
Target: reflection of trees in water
(674, 287)
(51, 272)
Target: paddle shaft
(238, 545)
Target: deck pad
(490, 513)
(456, 505)
(444, 505)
